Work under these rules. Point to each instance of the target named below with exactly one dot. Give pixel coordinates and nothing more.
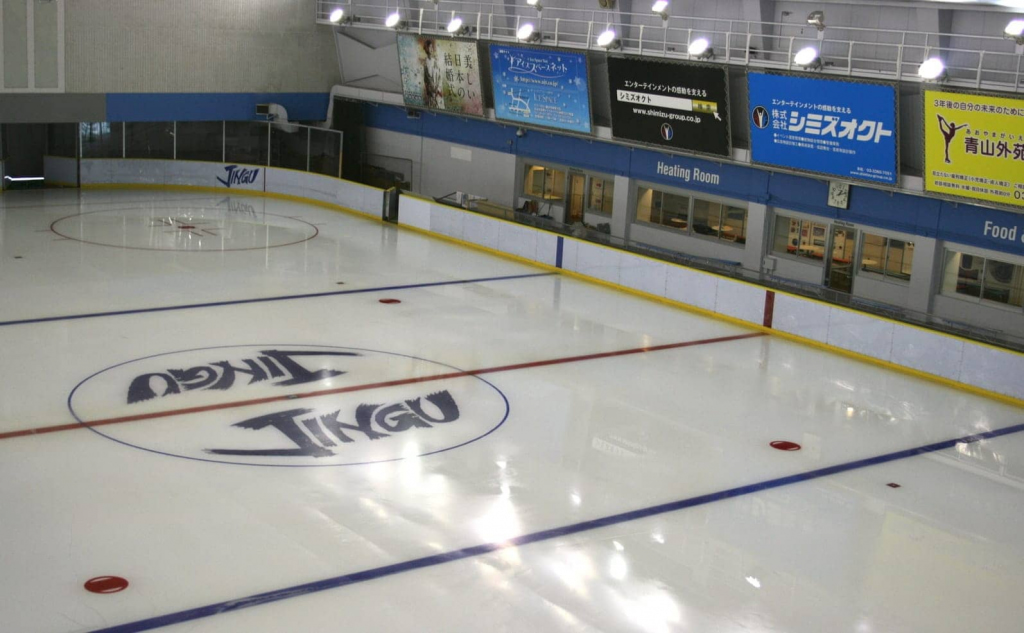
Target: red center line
(375, 385)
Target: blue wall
(215, 106)
(917, 215)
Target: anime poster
(541, 87)
(974, 146)
(440, 74)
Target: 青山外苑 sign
(974, 146)
(440, 74)
(541, 87)
(675, 105)
(841, 128)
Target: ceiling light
(932, 69)
(701, 48)
(457, 27)
(527, 33)
(817, 20)
(661, 8)
(608, 39)
(336, 15)
(807, 58)
(394, 21)
(1015, 31)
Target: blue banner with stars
(840, 128)
(548, 88)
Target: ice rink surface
(206, 396)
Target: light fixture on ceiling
(932, 69)
(608, 39)
(457, 26)
(808, 58)
(661, 8)
(394, 21)
(1015, 31)
(337, 15)
(817, 20)
(527, 33)
(701, 49)
(535, 4)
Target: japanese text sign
(974, 146)
(841, 128)
(676, 105)
(541, 87)
(440, 74)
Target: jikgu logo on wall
(237, 175)
(288, 405)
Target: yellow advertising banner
(974, 146)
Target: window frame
(723, 202)
(986, 256)
(883, 276)
(568, 171)
(800, 217)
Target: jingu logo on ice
(288, 405)
(237, 175)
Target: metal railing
(972, 61)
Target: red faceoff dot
(106, 584)
(390, 301)
(783, 445)
(893, 485)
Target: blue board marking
(310, 295)
(558, 252)
(535, 537)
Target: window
(720, 220)
(888, 257)
(988, 279)
(600, 194)
(544, 182)
(666, 209)
(802, 238)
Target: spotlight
(535, 4)
(1015, 31)
(817, 20)
(456, 26)
(607, 39)
(701, 49)
(527, 33)
(932, 69)
(394, 21)
(661, 8)
(336, 15)
(807, 58)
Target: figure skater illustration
(948, 132)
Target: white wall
(440, 167)
(197, 46)
(60, 171)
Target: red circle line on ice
(106, 584)
(783, 445)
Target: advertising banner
(440, 74)
(676, 105)
(541, 87)
(974, 146)
(841, 128)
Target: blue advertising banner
(842, 128)
(541, 87)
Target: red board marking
(783, 445)
(893, 485)
(376, 385)
(390, 301)
(186, 226)
(106, 584)
(769, 308)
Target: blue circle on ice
(285, 405)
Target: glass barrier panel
(149, 140)
(200, 140)
(288, 146)
(324, 152)
(101, 140)
(246, 142)
(60, 139)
